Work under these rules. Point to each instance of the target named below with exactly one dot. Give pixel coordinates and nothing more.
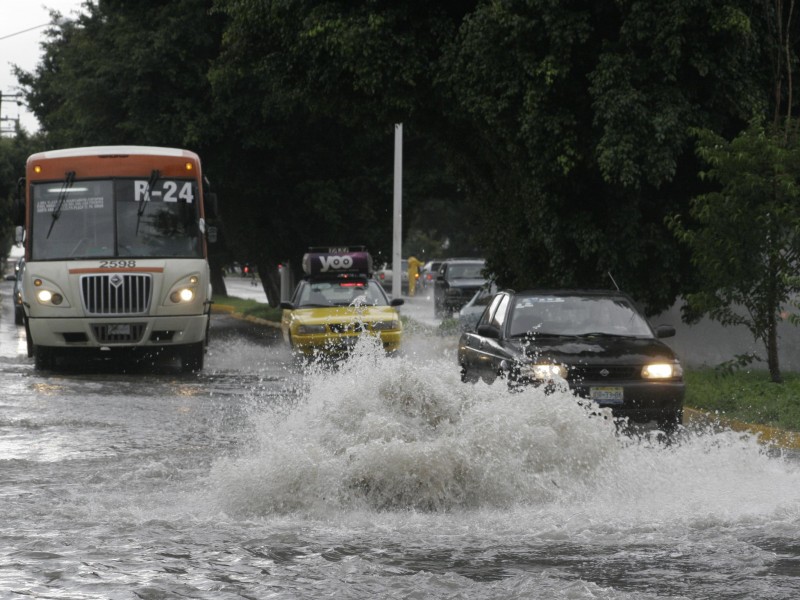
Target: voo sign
(336, 263)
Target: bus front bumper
(118, 332)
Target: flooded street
(384, 478)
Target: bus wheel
(192, 357)
(43, 358)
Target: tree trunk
(270, 280)
(218, 286)
(772, 350)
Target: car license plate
(606, 395)
(119, 330)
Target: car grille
(596, 373)
(116, 293)
(117, 333)
(346, 327)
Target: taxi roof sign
(332, 262)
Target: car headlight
(310, 329)
(543, 371)
(386, 325)
(662, 371)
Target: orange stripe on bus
(116, 270)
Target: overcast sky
(23, 48)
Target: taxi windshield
(347, 292)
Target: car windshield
(465, 271)
(576, 316)
(342, 293)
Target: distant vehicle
(470, 313)
(19, 310)
(337, 302)
(456, 282)
(384, 275)
(428, 274)
(596, 341)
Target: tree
(310, 91)
(131, 73)
(575, 118)
(743, 234)
(745, 237)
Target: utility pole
(397, 230)
(15, 120)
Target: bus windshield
(115, 217)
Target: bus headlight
(185, 290)
(182, 295)
(48, 294)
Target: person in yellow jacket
(414, 265)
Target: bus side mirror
(210, 205)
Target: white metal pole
(397, 231)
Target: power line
(5, 37)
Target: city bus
(115, 254)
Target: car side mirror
(287, 305)
(397, 302)
(489, 331)
(665, 331)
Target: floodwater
(382, 478)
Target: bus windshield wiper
(62, 195)
(155, 174)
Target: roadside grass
(250, 308)
(747, 396)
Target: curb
(766, 435)
(230, 311)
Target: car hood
(343, 314)
(607, 349)
(466, 283)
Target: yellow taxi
(337, 302)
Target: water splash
(397, 433)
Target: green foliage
(14, 151)
(551, 137)
(745, 235)
(747, 396)
(575, 120)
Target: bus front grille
(116, 293)
(118, 333)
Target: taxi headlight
(662, 371)
(386, 325)
(310, 329)
(544, 371)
